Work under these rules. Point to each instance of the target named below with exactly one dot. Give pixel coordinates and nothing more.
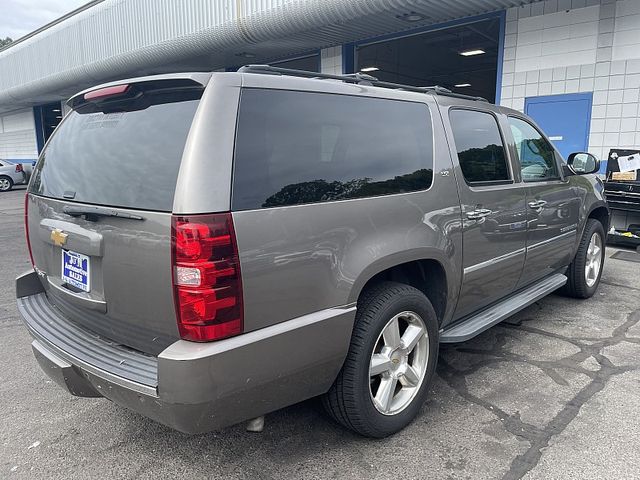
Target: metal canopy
(112, 39)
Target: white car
(11, 174)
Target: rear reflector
(106, 92)
(26, 227)
(206, 277)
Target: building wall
(331, 60)
(569, 46)
(18, 136)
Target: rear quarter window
(302, 147)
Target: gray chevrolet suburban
(208, 248)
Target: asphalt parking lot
(553, 393)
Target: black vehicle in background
(623, 196)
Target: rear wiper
(92, 213)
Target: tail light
(26, 226)
(206, 277)
(19, 168)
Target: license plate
(75, 270)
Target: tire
(6, 183)
(583, 283)
(350, 401)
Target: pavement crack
(525, 462)
(619, 285)
(456, 379)
(539, 438)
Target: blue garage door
(564, 118)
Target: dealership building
(573, 65)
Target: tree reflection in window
(479, 146)
(306, 147)
(323, 191)
(484, 164)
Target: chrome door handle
(538, 205)
(478, 214)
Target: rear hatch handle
(81, 239)
(92, 213)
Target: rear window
(481, 152)
(125, 159)
(300, 147)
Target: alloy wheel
(398, 363)
(594, 260)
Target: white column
(331, 60)
(18, 136)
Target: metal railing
(357, 78)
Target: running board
(493, 315)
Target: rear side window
(479, 145)
(300, 147)
(126, 159)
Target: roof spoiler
(131, 91)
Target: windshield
(126, 159)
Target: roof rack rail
(357, 78)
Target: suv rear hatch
(99, 209)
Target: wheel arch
(598, 211)
(601, 213)
(427, 274)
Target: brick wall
(569, 46)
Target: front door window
(536, 155)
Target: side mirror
(583, 163)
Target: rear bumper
(192, 387)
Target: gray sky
(19, 17)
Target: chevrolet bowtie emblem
(59, 237)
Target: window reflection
(536, 155)
(323, 191)
(126, 159)
(302, 147)
(479, 146)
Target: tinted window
(479, 145)
(299, 147)
(536, 155)
(125, 159)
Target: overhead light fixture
(471, 53)
(369, 69)
(410, 17)
(462, 85)
(56, 110)
(246, 55)
(58, 116)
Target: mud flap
(62, 372)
